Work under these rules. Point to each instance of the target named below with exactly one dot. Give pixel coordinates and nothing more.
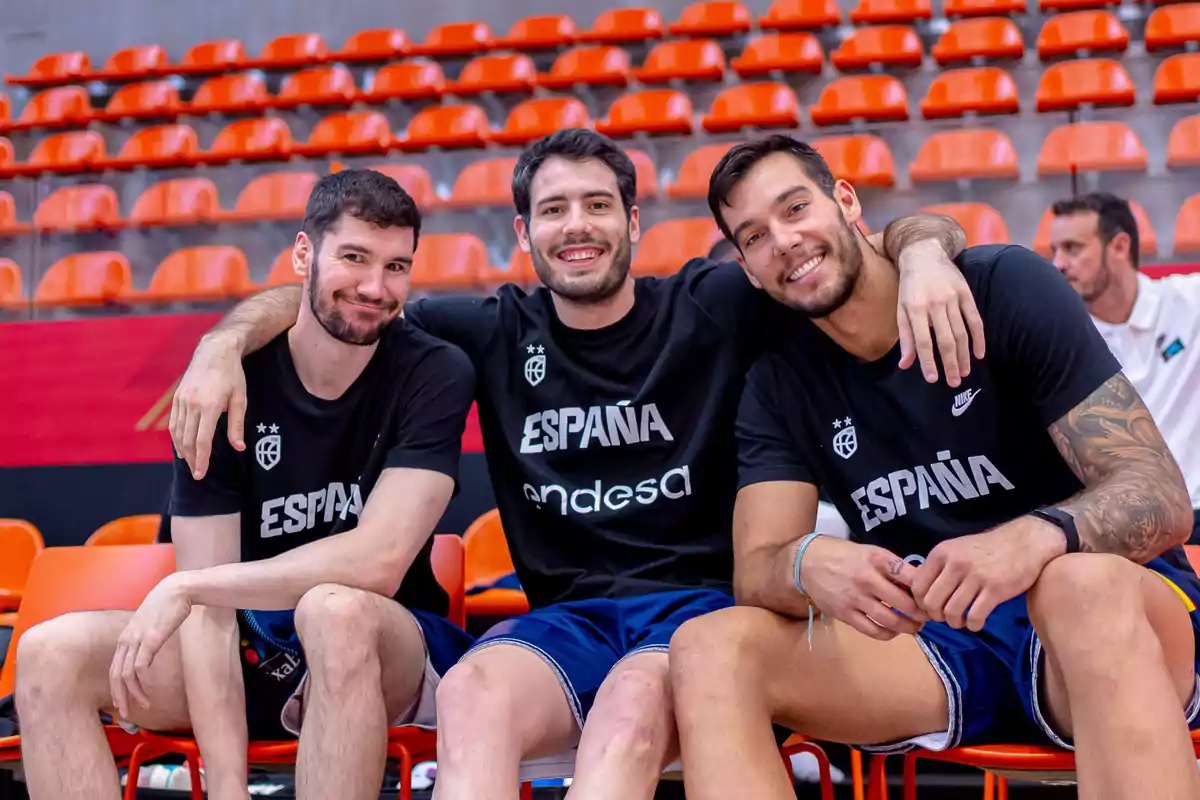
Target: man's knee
(634, 707)
(1078, 585)
(61, 660)
(714, 648)
(472, 695)
(339, 628)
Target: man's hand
(862, 586)
(214, 382)
(156, 620)
(964, 579)
(934, 294)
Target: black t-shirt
(910, 464)
(611, 451)
(310, 464)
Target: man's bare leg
(1120, 658)
(736, 671)
(366, 665)
(498, 706)
(62, 686)
(629, 736)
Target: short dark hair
(1113, 216)
(576, 144)
(742, 157)
(364, 194)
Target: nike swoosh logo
(958, 408)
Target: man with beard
(1015, 571)
(297, 608)
(1151, 326)
(606, 406)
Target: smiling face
(578, 235)
(797, 243)
(359, 276)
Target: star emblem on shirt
(847, 422)
(262, 428)
(274, 429)
(540, 349)
(837, 423)
(529, 349)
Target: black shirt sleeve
(1038, 325)
(432, 414)
(727, 297)
(468, 321)
(219, 491)
(766, 449)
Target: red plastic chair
(487, 560)
(138, 529)
(20, 543)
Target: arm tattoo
(1135, 503)
(900, 233)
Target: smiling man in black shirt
(607, 407)
(1015, 571)
(305, 599)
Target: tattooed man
(1015, 570)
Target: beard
(1097, 286)
(844, 252)
(592, 289)
(326, 310)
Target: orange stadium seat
(982, 8)
(348, 133)
(970, 90)
(487, 561)
(1147, 238)
(414, 179)
(653, 111)
(197, 274)
(991, 38)
(691, 181)
(647, 174)
(230, 94)
(5, 112)
(520, 271)
(63, 153)
(625, 26)
(317, 86)
(712, 18)
(376, 44)
(540, 117)
(418, 79)
(448, 261)
(883, 45)
(667, 246)
(1092, 31)
(883, 12)
(1091, 147)
(487, 182)
(502, 73)
(282, 270)
(794, 51)
(207, 58)
(265, 139)
(753, 105)
(1066, 85)
(270, 197)
(10, 284)
(1173, 27)
(59, 107)
(455, 40)
(180, 201)
(20, 543)
(149, 100)
(972, 154)
(88, 207)
(589, 65)
(1046, 6)
(158, 147)
(543, 32)
(7, 158)
(138, 529)
(54, 68)
(1183, 145)
(862, 159)
(131, 64)
(446, 127)
(1177, 80)
(872, 98)
(790, 15)
(683, 60)
(9, 225)
(1187, 227)
(82, 279)
(289, 51)
(982, 223)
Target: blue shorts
(992, 678)
(583, 640)
(274, 671)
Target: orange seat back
(753, 105)
(230, 93)
(883, 12)
(138, 529)
(696, 169)
(1091, 147)
(161, 143)
(1187, 227)
(888, 45)
(447, 557)
(1173, 26)
(542, 116)
(625, 25)
(591, 65)
(276, 195)
(293, 49)
(7, 156)
(64, 67)
(5, 109)
(63, 580)
(484, 183)
(137, 60)
(10, 282)
(685, 59)
(497, 72)
(875, 98)
(1067, 34)
(82, 207)
(408, 80)
(993, 38)
(447, 126)
(861, 159)
(376, 44)
(1183, 145)
(72, 149)
(647, 174)
(1091, 81)
(982, 8)
(20, 542)
(85, 279)
(974, 90)
(666, 247)
(982, 223)
(712, 18)
(456, 39)
(351, 131)
(975, 153)
(180, 201)
(488, 556)
(8, 210)
(144, 99)
(253, 138)
(1177, 80)
(214, 56)
(209, 272)
(449, 261)
(653, 111)
(61, 105)
(543, 32)
(786, 15)
(794, 51)
(282, 271)
(414, 179)
(319, 85)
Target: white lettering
(528, 445)
(675, 484)
(269, 518)
(903, 483)
(877, 495)
(868, 518)
(302, 512)
(606, 426)
(981, 465)
(622, 425)
(593, 427)
(294, 508)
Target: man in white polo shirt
(1151, 326)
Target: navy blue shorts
(583, 640)
(273, 670)
(992, 678)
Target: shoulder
(418, 348)
(1183, 284)
(265, 360)
(1008, 273)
